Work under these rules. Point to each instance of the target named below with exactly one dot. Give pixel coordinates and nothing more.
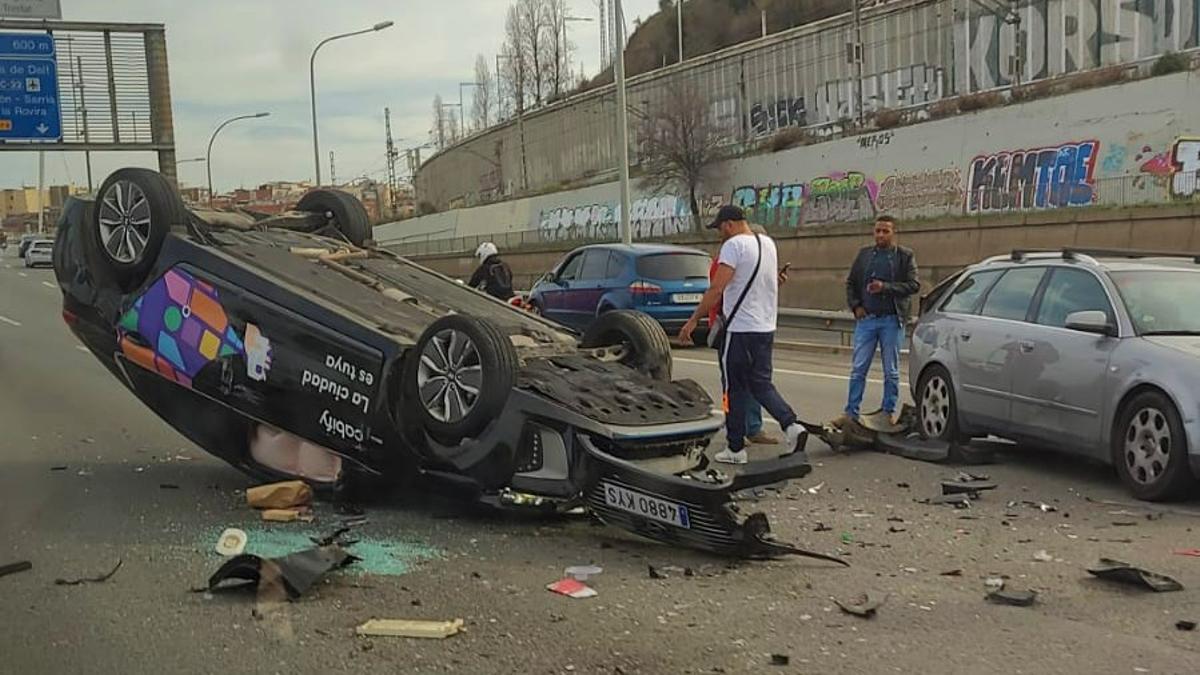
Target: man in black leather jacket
(879, 291)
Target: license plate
(687, 298)
(645, 505)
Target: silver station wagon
(1095, 352)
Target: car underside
(236, 328)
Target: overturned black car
(289, 346)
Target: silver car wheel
(449, 376)
(124, 222)
(935, 407)
(1147, 445)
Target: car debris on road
(1124, 573)
(572, 588)
(296, 572)
(13, 568)
(864, 605)
(1015, 598)
(89, 580)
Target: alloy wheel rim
(449, 376)
(1147, 445)
(935, 407)
(124, 222)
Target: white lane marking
(9, 321)
(22, 274)
(47, 284)
(784, 371)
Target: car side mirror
(1092, 321)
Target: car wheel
(647, 348)
(135, 209)
(937, 409)
(1150, 448)
(343, 211)
(458, 377)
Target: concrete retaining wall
(820, 258)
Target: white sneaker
(728, 456)
(795, 434)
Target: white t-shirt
(760, 309)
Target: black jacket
(900, 291)
(493, 277)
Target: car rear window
(674, 266)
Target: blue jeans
(886, 333)
(753, 417)
(746, 373)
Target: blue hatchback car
(663, 281)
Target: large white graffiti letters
(1186, 157)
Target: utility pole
(603, 36)
(332, 171)
(40, 190)
(87, 155)
(392, 155)
(854, 52)
(622, 123)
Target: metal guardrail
(841, 322)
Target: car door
(554, 296)
(1061, 375)
(986, 348)
(585, 294)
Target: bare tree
(680, 144)
(438, 131)
(515, 73)
(452, 125)
(531, 21)
(558, 72)
(483, 96)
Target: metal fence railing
(917, 198)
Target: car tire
(1149, 448)
(647, 348)
(458, 377)
(937, 408)
(345, 212)
(135, 209)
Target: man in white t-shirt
(746, 283)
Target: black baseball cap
(727, 212)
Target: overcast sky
(230, 57)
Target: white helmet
(486, 250)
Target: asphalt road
(59, 408)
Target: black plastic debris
(655, 573)
(822, 527)
(1185, 625)
(59, 467)
(968, 487)
(864, 605)
(13, 568)
(168, 486)
(89, 580)
(296, 571)
(1014, 598)
(780, 659)
(951, 573)
(1124, 573)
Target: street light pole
(622, 124)
(461, 110)
(312, 87)
(679, 24)
(208, 155)
(564, 38)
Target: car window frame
(1037, 290)
(587, 257)
(978, 301)
(1036, 308)
(558, 274)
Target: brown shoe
(763, 438)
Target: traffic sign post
(29, 104)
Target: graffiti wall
(1186, 167)
(840, 198)
(1056, 176)
(776, 205)
(650, 217)
(925, 192)
(775, 115)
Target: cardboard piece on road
(436, 630)
(280, 495)
(287, 515)
(1123, 572)
(572, 589)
